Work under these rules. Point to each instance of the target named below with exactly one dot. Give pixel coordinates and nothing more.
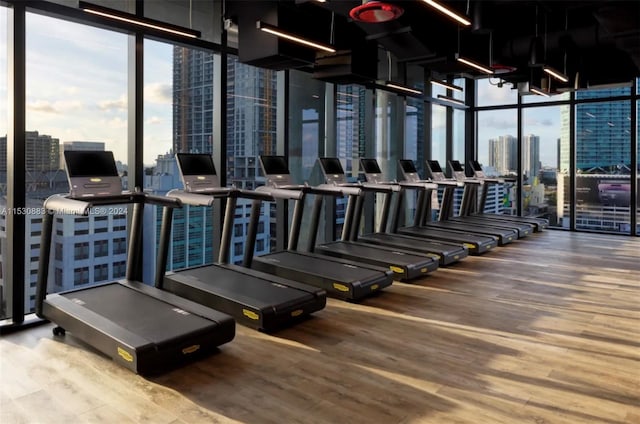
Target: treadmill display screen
(90, 163)
(331, 165)
(196, 164)
(408, 166)
(475, 165)
(370, 166)
(456, 166)
(434, 166)
(274, 165)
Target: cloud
(119, 104)
(154, 120)
(158, 93)
(539, 122)
(58, 107)
(501, 123)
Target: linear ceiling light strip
(279, 33)
(132, 19)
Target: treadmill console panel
(435, 171)
(372, 171)
(477, 169)
(409, 171)
(197, 172)
(275, 170)
(92, 173)
(456, 170)
(332, 171)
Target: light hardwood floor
(546, 330)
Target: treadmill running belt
(321, 266)
(141, 314)
(248, 289)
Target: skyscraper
(503, 154)
(531, 156)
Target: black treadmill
(469, 198)
(405, 264)
(140, 327)
(255, 299)
(341, 278)
(443, 252)
(503, 235)
(539, 224)
(475, 243)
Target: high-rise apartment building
(503, 154)
(531, 157)
(42, 153)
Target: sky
(77, 86)
(77, 90)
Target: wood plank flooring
(545, 330)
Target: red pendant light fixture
(374, 12)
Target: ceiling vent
(374, 12)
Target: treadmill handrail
(273, 193)
(60, 203)
(426, 185)
(197, 199)
(336, 190)
(154, 199)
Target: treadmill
(539, 224)
(341, 278)
(504, 236)
(144, 329)
(255, 299)
(405, 264)
(445, 253)
(476, 243)
(469, 198)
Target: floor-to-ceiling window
(497, 146)
(3, 158)
(306, 132)
(350, 126)
(350, 137)
(251, 132)
(543, 177)
(603, 158)
(76, 79)
(178, 118)
(458, 126)
(439, 134)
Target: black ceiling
(597, 40)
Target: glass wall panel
(439, 134)
(638, 162)
(350, 122)
(545, 134)
(413, 145)
(4, 125)
(350, 137)
(459, 135)
(497, 152)
(251, 132)
(178, 117)
(76, 78)
(306, 134)
(414, 132)
(387, 133)
(492, 92)
(603, 157)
